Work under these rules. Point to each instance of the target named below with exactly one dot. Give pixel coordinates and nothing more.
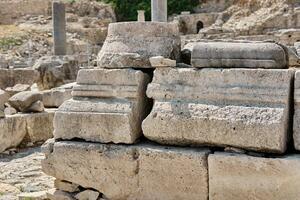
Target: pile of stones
(143, 126)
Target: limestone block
(131, 44)
(236, 176)
(55, 97)
(17, 88)
(296, 123)
(238, 55)
(12, 132)
(108, 106)
(66, 186)
(54, 194)
(37, 106)
(134, 172)
(24, 100)
(242, 108)
(159, 61)
(87, 195)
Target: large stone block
(238, 55)
(222, 107)
(107, 106)
(297, 111)
(132, 172)
(131, 44)
(235, 177)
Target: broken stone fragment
(66, 186)
(55, 97)
(10, 111)
(37, 106)
(24, 100)
(159, 61)
(131, 44)
(17, 88)
(87, 195)
(131, 171)
(238, 176)
(238, 55)
(243, 108)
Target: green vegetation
(126, 10)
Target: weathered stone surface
(66, 186)
(108, 106)
(131, 44)
(11, 77)
(159, 61)
(54, 194)
(87, 195)
(159, 10)
(12, 132)
(131, 172)
(55, 97)
(235, 177)
(10, 111)
(24, 100)
(37, 106)
(296, 123)
(238, 55)
(17, 88)
(33, 196)
(59, 28)
(242, 108)
(4, 96)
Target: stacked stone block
(111, 140)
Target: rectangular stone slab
(235, 177)
(238, 55)
(221, 107)
(107, 106)
(133, 172)
(297, 111)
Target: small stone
(159, 61)
(42, 195)
(10, 111)
(55, 194)
(87, 195)
(24, 100)
(66, 186)
(37, 106)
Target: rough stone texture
(297, 111)
(235, 177)
(4, 96)
(12, 132)
(55, 97)
(222, 107)
(56, 71)
(17, 88)
(23, 100)
(238, 55)
(159, 10)
(33, 195)
(37, 106)
(87, 195)
(130, 172)
(66, 186)
(54, 194)
(10, 111)
(159, 61)
(131, 44)
(108, 106)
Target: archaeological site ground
(149, 100)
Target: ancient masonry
(140, 127)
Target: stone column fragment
(159, 10)
(141, 16)
(237, 176)
(221, 107)
(59, 28)
(296, 123)
(107, 106)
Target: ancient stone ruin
(163, 115)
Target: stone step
(142, 171)
(244, 108)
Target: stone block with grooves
(297, 111)
(238, 55)
(243, 108)
(108, 105)
(237, 176)
(134, 172)
(131, 44)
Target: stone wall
(145, 127)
